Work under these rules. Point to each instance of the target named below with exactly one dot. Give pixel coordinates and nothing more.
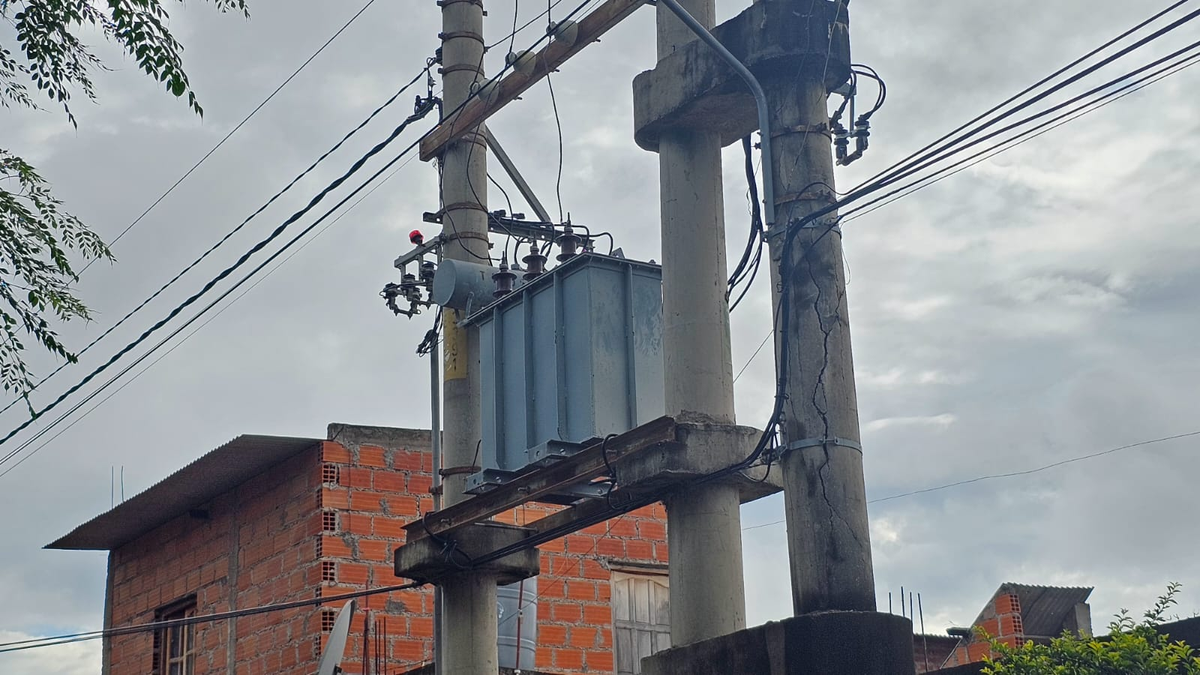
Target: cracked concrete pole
(824, 493)
(708, 595)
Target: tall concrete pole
(825, 496)
(468, 600)
(708, 596)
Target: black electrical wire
(241, 124)
(229, 270)
(948, 136)
(429, 105)
(33, 643)
(1023, 137)
(227, 237)
(1174, 56)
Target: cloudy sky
(1037, 307)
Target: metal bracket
(779, 231)
(818, 442)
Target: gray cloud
(1036, 307)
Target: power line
(421, 112)
(229, 135)
(1010, 474)
(1039, 83)
(867, 188)
(221, 311)
(227, 236)
(21, 645)
(1026, 136)
(225, 273)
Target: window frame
(162, 658)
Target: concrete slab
(429, 558)
(702, 448)
(695, 89)
(829, 643)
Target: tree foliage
(1131, 648)
(46, 59)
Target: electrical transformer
(571, 356)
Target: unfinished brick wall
(1000, 620)
(325, 522)
(378, 480)
(249, 547)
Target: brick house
(1016, 614)
(266, 520)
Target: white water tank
(516, 605)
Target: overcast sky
(1039, 306)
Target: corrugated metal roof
(1044, 609)
(190, 487)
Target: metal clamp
(782, 229)
(819, 442)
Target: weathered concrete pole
(469, 599)
(825, 496)
(708, 596)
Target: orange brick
(603, 591)
(371, 455)
(594, 570)
(991, 627)
(420, 483)
(401, 505)
(552, 589)
(600, 661)
(566, 613)
(352, 573)
(978, 651)
(611, 548)
(545, 658)
(551, 634)
(662, 552)
(577, 543)
(335, 499)
(557, 545)
(334, 452)
(1007, 604)
(410, 651)
(356, 477)
(652, 529)
(334, 547)
(361, 500)
(420, 627)
(389, 528)
(597, 615)
(568, 659)
(597, 529)
(391, 482)
(583, 636)
(374, 549)
(636, 549)
(407, 461)
(581, 590)
(356, 523)
(622, 527)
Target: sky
(1036, 307)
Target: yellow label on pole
(454, 346)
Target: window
(641, 609)
(175, 646)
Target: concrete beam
(694, 89)
(703, 447)
(429, 559)
(830, 643)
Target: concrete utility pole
(825, 496)
(469, 599)
(708, 596)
